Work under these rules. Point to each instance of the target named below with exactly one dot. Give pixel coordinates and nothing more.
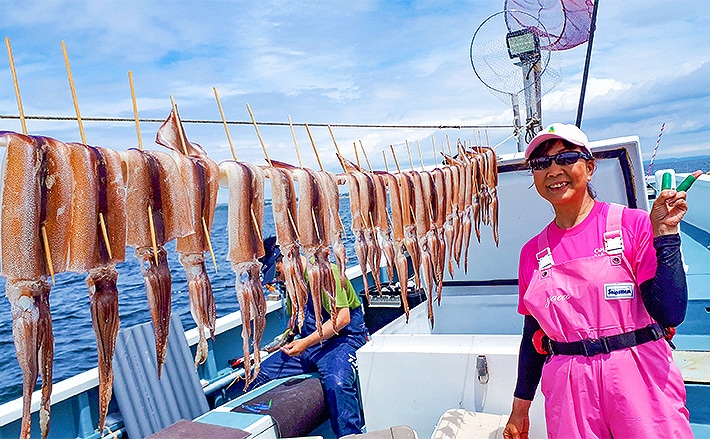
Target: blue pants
(335, 361)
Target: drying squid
(422, 208)
(333, 223)
(36, 214)
(489, 184)
(246, 213)
(201, 178)
(466, 213)
(283, 204)
(409, 223)
(438, 224)
(400, 259)
(159, 213)
(311, 212)
(97, 243)
(366, 202)
(449, 217)
(382, 226)
(358, 228)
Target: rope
(234, 122)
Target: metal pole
(516, 121)
(592, 27)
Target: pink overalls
(636, 392)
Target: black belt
(590, 347)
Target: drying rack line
(239, 122)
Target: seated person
(332, 355)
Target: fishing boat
(466, 363)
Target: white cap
(570, 133)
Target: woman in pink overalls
(598, 287)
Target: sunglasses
(562, 159)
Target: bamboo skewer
(357, 156)
(421, 159)
(47, 254)
(409, 153)
(433, 149)
(151, 225)
(384, 159)
(73, 94)
(258, 134)
(315, 150)
(17, 86)
(364, 153)
(295, 143)
(104, 232)
(179, 126)
(224, 122)
(256, 225)
(395, 158)
(209, 243)
(340, 156)
(135, 111)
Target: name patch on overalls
(619, 291)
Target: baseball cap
(563, 131)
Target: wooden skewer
(151, 225)
(179, 126)
(340, 156)
(209, 243)
(315, 223)
(104, 232)
(396, 163)
(384, 159)
(421, 159)
(17, 86)
(357, 156)
(224, 122)
(433, 149)
(409, 153)
(364, 153)
(47, 254)
(135, 111)
(449, 144)
(295, 143)
(256, 225)
(73, 94)
(315, 150)
(293, 224)
(258, 134)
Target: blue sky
(362, 62)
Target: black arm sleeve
(530, 362)
(666, 295)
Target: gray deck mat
(146, 403)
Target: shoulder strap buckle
(613, 242)
(544, 259)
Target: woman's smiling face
(562, 184)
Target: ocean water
(681, 164)
(74, 339)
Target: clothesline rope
(239, 122)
